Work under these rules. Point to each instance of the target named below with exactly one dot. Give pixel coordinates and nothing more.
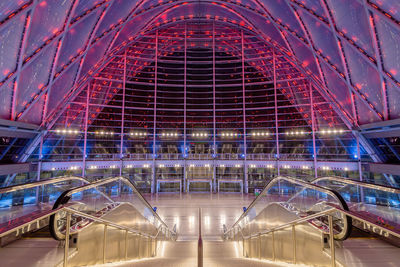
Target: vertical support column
(359, 158)
(313, 130)
(245, 172)
(85, 131)
(214, 114)
(184, 114)
(39, 167)
(121, 153)
(153, 183)
(276, 114)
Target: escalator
(26, 207)
(375, 204)
(106, 221)
(311, 223)
(316, 223)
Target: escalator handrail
(14, 188)
(393, 232)
(384, 188)
(65, 196)
(291, 223)
(272, 182)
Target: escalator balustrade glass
(22, 203)
(114, 199)
(375, 203)
(285, 199)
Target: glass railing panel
(20, 203)
(376, 202)
(114, 199)
(286, 199)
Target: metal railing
(335, 195)
(69, 212)
(65, 197)
(14, 188)
(343, 180)
(292, 225)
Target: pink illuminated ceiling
(349, 47)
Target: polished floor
(183, 211)
(216, 210)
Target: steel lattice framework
(193, 92)
(343, 53)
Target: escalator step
(41, 233)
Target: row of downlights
(305, 167)
(204, 134)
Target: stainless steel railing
(384, 188)
(228, 235)
(346, 221)
(14, 188)
(69, 212)
(65, 196)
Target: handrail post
(294, 243)
(244, 254)
(273, 245)
(126, 244)
(200, 245)
(66, 244)
(104, 243)
(332, 244)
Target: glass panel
(286, 199)
(84, 6)
(10, 36)
(280, 11)
(377, 203)
(339, 90)
(304, 56)
(389, 39)
(95, 53)
(6, 91)
(316, 7)
(119, 10)
(21, 203)
(8, 7)
(351, 19)
(393, 96)
(34, 77)
(61, 87)
(365, 114)
(110, 196)
(76, 39)
(389, 6)
(365, 78)
(323, 39)
(49, 18)
(35, 113)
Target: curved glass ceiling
(351, 47)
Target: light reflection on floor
(183, 210)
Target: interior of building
(200, 133)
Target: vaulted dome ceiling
(348, 48)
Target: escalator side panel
(309, 240)
(90, 239)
